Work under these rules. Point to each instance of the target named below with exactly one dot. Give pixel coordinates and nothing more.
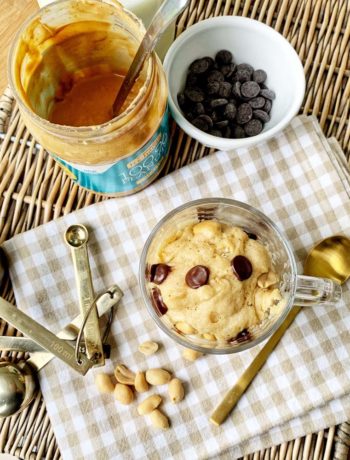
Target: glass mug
(296, 289)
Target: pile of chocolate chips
(225, 99)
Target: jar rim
(92, 130)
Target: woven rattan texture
(34, 190)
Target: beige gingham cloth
(299, 181)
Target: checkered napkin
(299, 181)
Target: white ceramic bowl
(251, 42)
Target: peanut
(267, 280)
(158, 376)
(149, 404)
(123, 393)
(176, 391)
(159, 420)
(141, 384)
(208, 336)
(148, 348)
(191, 355)
(103, 383)
(185, 327)
(124, 375)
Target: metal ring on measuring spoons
(86, 316)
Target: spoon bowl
(18, 387)
(330, 258)
(76, 235)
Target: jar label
(129, 174)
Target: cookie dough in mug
(214, 280)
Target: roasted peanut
(210, 337)
(148, 348)
(149, 404)
(158, 376)
(124, 375)
(191, 355)
(159, 420)
(185, 328)
(176, 391)
(141, 384)
(267, 280)
(103, 383)
(123, 393)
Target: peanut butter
(66, 66)
(88, 102)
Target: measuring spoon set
(17, 381)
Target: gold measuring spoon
(18, 382)
(328, 259)
(77, 236)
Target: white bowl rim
(222, 143)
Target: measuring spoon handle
(43, 336)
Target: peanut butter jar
(60, 46)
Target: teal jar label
(128, 174)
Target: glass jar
(295, 289)
(62, 42)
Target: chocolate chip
(199, 66)
(251, 236)
(208, 119)
(243, 336)
(253, 127)
(246, 67)
(211, 61)
(230, 111)
(194, 94)
(159, 273)
(225, 89)
(203, 122)
(213, 87)
(191, 80)
(268, 94)
(199, 108)
(250, 89)
(215, 75)
(236, 89)
(244, 113)
(227, 132)
(242, 268)
(228, 94)
(214, 116)
(221, 124)
(216, 132)
(200, 124)
(259, 75)
(238, 132)
(261, 115)
(227, 70)
(157, 302)
(257, 102)
(242, 75)
(267, 106)
(223, 57)
(197, 276)
(218, 102)
(181, 99)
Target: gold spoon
(328, 259)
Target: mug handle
(312, 291)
